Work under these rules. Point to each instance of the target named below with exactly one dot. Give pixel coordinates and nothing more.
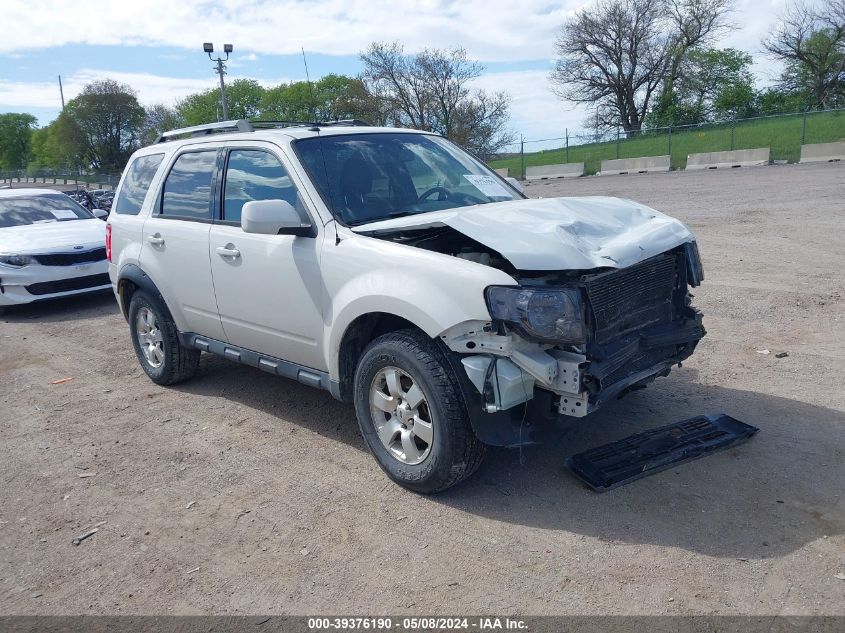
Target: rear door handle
(156, 240)
(228, 251)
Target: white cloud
(489, 30)
(536, 113)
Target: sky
(155, 46)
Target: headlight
(16, 261)
(695, 271)
(548, 315)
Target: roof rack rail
(270, 124)
(281, 123)
(351, 122)
(240, 125)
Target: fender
(352, 303)
(431, 290)
(131, 272)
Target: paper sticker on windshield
(489, 186)
(63, 214)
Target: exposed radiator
(632, 298)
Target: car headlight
(695, 271)
(16, 261)
(549, 315)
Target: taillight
(108, 242)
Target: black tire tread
(433, 360)
(180, 362)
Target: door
(269, 288)
(175, 243)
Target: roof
(244, 130)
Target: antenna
(310, 88)
(61, 92)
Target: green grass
(781, 134)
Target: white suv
(400, 273)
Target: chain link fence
(21, 178)
(784, 134)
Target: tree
(778, 100)
(692, 23)
(289, 102)
(243, 101)
(332, 98)
(109, 118)
(711, 84)
(341, 97)
(59, 145)
(159, 118)
(16, 131)
(811, 42)
(431, 91)
(616, 54)
(735, 100)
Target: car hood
(556, 233)
(52, 236)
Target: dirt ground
(238, 492)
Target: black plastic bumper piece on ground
(618, 463)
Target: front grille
(632, 298)
(69, 259)
(67, 285)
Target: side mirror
(513, 182)
(273, 217)
(101, 214)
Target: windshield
(370, 177)
(40, 209)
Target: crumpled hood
(557, 233)
(52, 236)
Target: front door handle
(156, 240)
(228, 251)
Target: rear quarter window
(137, 182)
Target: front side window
(45, 209)
(187, 190)
(137, 182)
(254, 175)
(371, 177)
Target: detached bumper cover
(606, 467)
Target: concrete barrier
(635, 165)
(823, 152)
(565, 170)
(721, 160)
(502, 171)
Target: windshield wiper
(401, 214)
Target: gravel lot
(242, 493)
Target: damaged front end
(565, 343)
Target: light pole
(220, 68)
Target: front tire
(156, 341)
(412, 415)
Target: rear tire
(411, 413)
(156, 341)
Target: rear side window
(136, 183)
(187, 190)
(254, 175)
